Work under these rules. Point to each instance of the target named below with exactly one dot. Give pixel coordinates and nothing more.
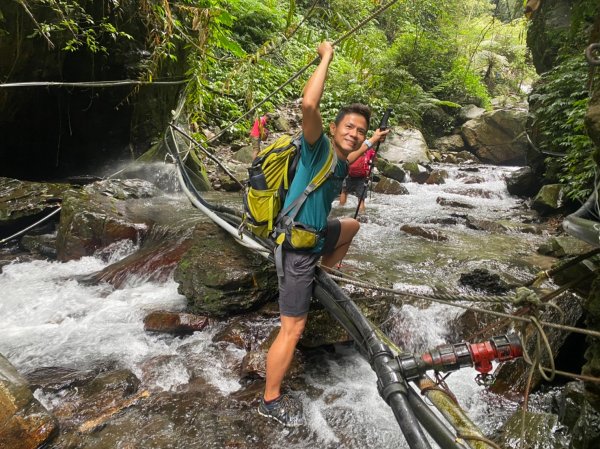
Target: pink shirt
(259, 128)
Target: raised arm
(312, 122)
(378, 136)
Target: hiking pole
(382, 126)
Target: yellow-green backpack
(269, 178)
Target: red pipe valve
(449, 357)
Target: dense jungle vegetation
(418, 56)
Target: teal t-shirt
(316, 208)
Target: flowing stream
(48, 318)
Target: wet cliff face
(548, 29)
(592, 118)
(54, 132)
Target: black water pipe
(392, 386)
(579, 225)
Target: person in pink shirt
(259, 133)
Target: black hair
(354, 108)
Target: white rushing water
(48, 318)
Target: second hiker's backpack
(270, 177)
(361, 166)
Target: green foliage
(83, 31)
(559, 105)
(461, 84)
(255, 22)
(414, 57)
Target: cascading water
(48, 318)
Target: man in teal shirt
(348, 133)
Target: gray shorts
(354, 186)
(296, 286)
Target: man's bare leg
(348, 229)
(343, 198)
(281, 353)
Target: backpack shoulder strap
(326, 171)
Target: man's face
(350, 133)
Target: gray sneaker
(287, 410)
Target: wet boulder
(579, 411)
(452, 203)
(549, 199)
(501, 226)
(541, 431)
(174, 323)
(221, 278)
(93, 223)
(483, 280)
(453, 143)
(390, 170)
(248, 331)
(418, 173)
(24, 422)
(254, 363)
(405, 145)
(465, 156)
(98, 215)
(40, 245)
(23, 203)
(390, 187)
(323, 329)
(512, 376)
(522, 182)
(429, 234)
(564, 245)
(469, 112)
(437, 177)
(498, 137)
(89, 406)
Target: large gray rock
(581, 416)
(449, 143)
(405, 145)
(390, 187)
(498, 137)
(469, 112)
(522, 182)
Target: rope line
(302, 70)
(540, 335)
(436, 298)
(470, 437)
(91, 83)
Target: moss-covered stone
(221, 278)
(549, 199)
